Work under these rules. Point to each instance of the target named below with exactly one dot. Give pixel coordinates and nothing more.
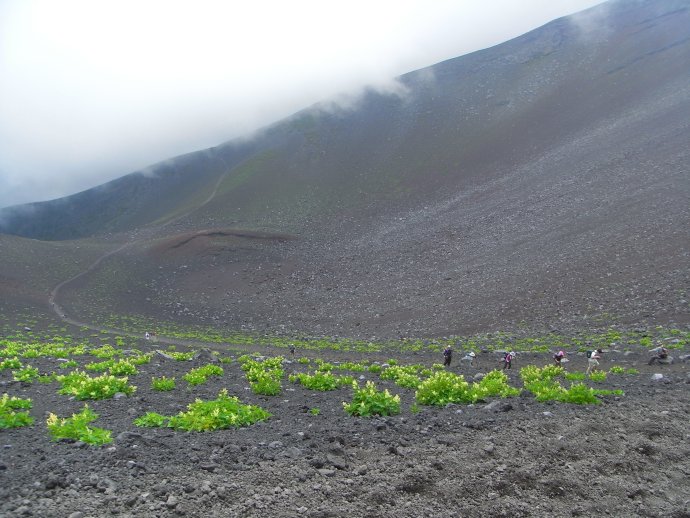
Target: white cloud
(93, 90)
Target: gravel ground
(515, 457)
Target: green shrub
(375, 369)
(123, 368)
(314, 411)
(27, 374)
(182, 357)
(442, 388)
(494, 384)
(11, 363)
(107, 352)
(151, 420)
(616, 369)
(223, 412)
(632, 371)
(9, 417)
(201, 374)
(368, 401)
(322, 381)
(99, 366)
(82, 386)
(266, 383)
(163, 384)
(580, 394)
(598, 376)
(68, 364)
(76, 427)
(575, 376)
(141, 359)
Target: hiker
(469, 358)
(559, 357)
(593, 360)
(508, 359)
(147, 335)
(292, 349)
(660, 355)
(447, 355)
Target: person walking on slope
(660, 355)
(559, 357)
(447, 356)
(508, 360)
(593, 360)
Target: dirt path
(135, 237)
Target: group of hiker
(660, 355)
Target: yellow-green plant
(368, 401)
(76, 428)
(163, 384)
(151, 420)
(201, 374)
(26, 374)
(223, 412)
(9, 417)
(80, 385)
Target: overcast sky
(91, 90)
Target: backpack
(589, 354)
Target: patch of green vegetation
(9, 417)
(367, 401)
(151, 420)
(26, 374)
(445, 387)
(201, 374)
(82, 386)
(76, 428)
(221, 413)
(163, 384)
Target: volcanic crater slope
(541, 183)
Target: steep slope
(541, 182)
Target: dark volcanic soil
(628, 456)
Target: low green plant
(201, 374)
(11, 363)
(9, 417)
(368, 401)
(575, 376)
(163, 384)
(322, 381)
(123, 368)
(580, 394)
(617, 369)
(223, 412)
(606, 392)
(225, 359)
(99, 366)
(443, 387)
(26, 374)
(105, 352)
(141, 359)
(375, 369)
(314, 411)
(632, 371)
(303, 360)
(266, 383)
(598, 376)
(76, 427)
(82, 386)
(68, 364)
(182, 357)
(151, 420)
